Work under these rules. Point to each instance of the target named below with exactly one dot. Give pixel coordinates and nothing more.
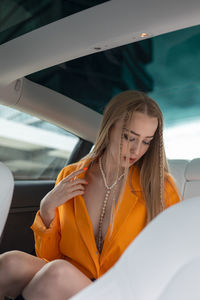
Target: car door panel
(27, 195)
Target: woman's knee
(9, 271)
(56, 278)
(20, 263)
(57, 272)
(10, 261)
(58, 269)
(16, 270)
(48, 281)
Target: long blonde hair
(153, 165)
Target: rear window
(32, 148)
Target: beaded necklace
(103, 211)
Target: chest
(77, 228)
(95, 198)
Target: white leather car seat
(155, 260)
(181, 286)
(6, 192)
(192, 179)
(187, 176)
(177, 168)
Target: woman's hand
(66, 189)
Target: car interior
(60, 63)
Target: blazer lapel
(85, 229)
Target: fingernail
(86, 182)
(85, 168)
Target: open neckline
(91, 227)
(117, 219)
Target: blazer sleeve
(47, 239)
(172, 195)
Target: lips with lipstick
(131, 159)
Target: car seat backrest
(187, 176)
(192, 179)
(177, 169)
(6, 192)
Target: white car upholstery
(6, 192)
(187, 176)
(181, 286)
(192, 179)
(177, 169)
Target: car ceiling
(90, 50)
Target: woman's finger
(77, 193)
(76, 187)
(78, 181)
(74, 174)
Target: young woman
(98, 206)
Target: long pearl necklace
(103, 211)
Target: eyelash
(146, 143)
(127, 137)
(133, 139)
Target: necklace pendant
(103, 210)
(107, 195)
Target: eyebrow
(138, 134)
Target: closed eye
(147, 143)
(126, 137)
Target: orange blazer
(70, 235)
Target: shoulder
(71, 168)
(67, 170)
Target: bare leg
(16, 270)
(58, 280)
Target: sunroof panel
(18, 17)
(92, 80)
(166, 67)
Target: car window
(33, 148)
(175, 74)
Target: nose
(135, 149)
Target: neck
(110, 167)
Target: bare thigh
(16, 270)
(58, 280)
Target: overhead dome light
(144, 34)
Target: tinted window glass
(32, 148)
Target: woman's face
(140, 133)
